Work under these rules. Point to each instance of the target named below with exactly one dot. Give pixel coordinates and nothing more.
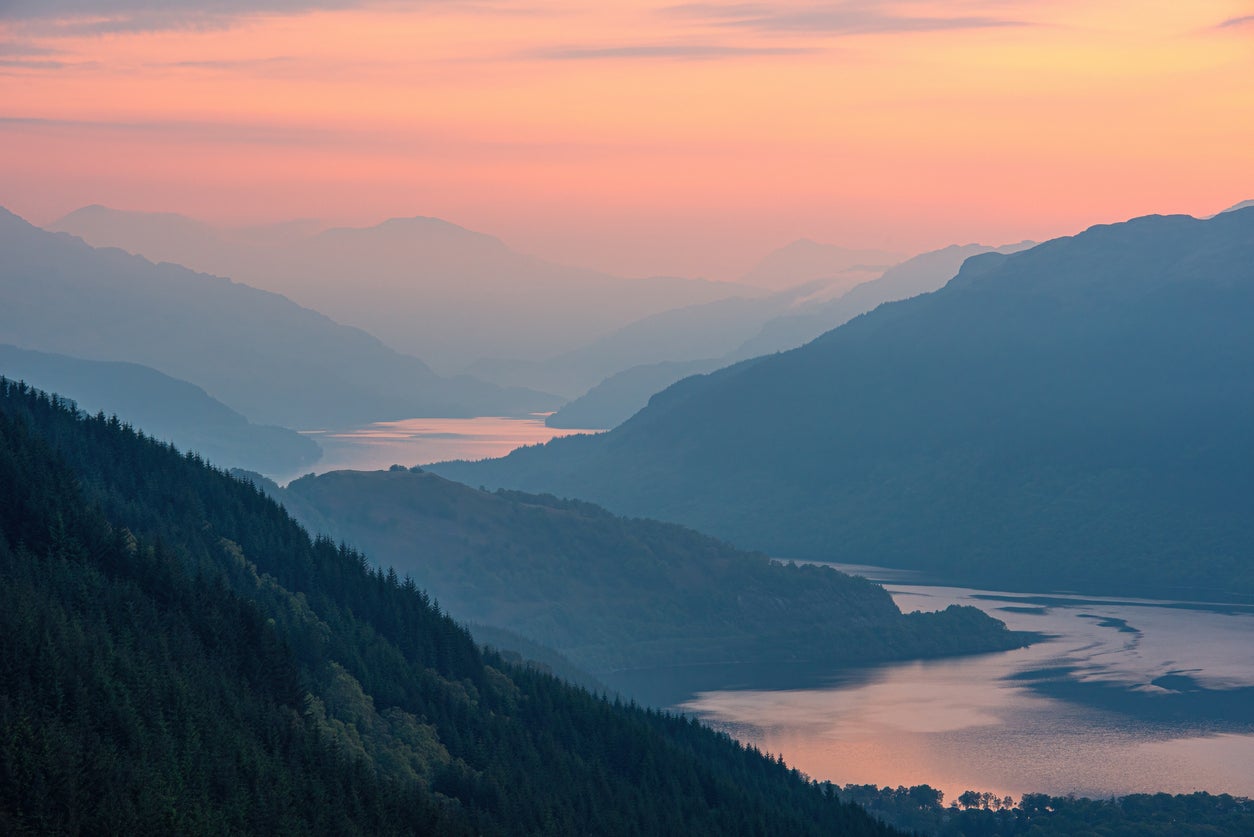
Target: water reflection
(1128, 696)
(418, 441)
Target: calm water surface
(418, 441)
(1128, 696)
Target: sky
(636, 137)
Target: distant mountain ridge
(805, 260)
(920, 274)
(617, 398)
(1077, 414)
(256, 351)
(680, 335)
(622, 395)
(424, 286)
(163, 408)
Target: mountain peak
(417, 230)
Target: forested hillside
(177, 656)
(614, 594)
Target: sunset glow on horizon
(636, 138)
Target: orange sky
(636, 137)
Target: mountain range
(804, 261)
(919, 274)
(164, 408)
(680, 335)
(796, 319)
(1076, 414)
(424, 286)
(258, 352)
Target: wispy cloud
(680, 52)
(22, 49)
(1235, 22)
(85, 17)
(840, 18)
(31, 64)
(18, 56)
(719, 10)
(75, 18)
(230, 64)
(218, 132)
(170, 132)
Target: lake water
(417, 441)
(1129, 696)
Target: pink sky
(635, 137)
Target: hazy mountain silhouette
(256, 351)
(805, 261)
(920, 274)
(617, 398)
(424, 286)
(680, 335)
(164, 408)
(1075, 414)
(1241, 205)
(620, 396)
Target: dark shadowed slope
(164, 408)
(1077, 414)
(179, 658)
(614, 594)
(258, 352)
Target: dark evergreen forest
(178, 656)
